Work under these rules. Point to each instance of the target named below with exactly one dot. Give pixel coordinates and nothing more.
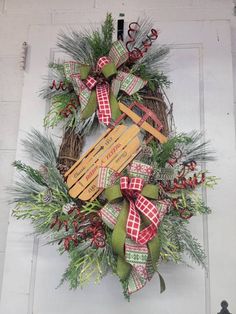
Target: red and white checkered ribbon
(104, 108)
(102, 93)
(90, 82)
(102, 62)
(131, 189)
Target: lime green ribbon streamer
(113, 194)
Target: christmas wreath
(123, 206)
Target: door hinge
(24, 55)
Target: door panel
(201, 73)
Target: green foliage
(101, 41)
(40, 213)
(76, 45)
(91, 207)
(29, 190)
(162, 153)
(155, 79)
(192, 147)
(124, 284)
(59, 68)
(192, 201)
(56, 72)
(87, 264)
(176, 240)
(40, 148)
(54, 116)
(29, 195)
(151, 67)
(196, 148)
(88, 47)
(35, 175)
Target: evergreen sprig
(151, 68)
(88, 47)
(87, 264)
(34, 174)
(57, 74)
(55, 116)
(192, 147)
(101, 41)
(176, 240)
(40, 148)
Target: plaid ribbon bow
(95, 92)
(138, 250)
(131, 189)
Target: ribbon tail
(118, 243)
(104, 109)
(115, 109)
(123, 268)
(87, 98)
(162, 283)
(137, 256)
(154, 247)
(118, 53)
(90, 107)
(136, 282)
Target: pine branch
(59, 103)
(161, 154)
(35, 175)
(101, 41)
(56, 72)
(40, 148)
(25, 189)
(152, 66)
(177, 239)
(87, 126)
(87, 264)
(76, 44)
(196, 148)
(88, 47)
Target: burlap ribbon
(100, 89)
(134, 214)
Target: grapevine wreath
(124, 205)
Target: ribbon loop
(136, 184)
(106, 66)
(124, 183)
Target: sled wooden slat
(104, 160)
(95, 152)
(86, 154)
(118, 164)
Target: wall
(16, 16)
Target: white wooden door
(201, 71)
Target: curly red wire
(138, 53)
(60, 86)
(181, 182)
(68, 109)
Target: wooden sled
(115, 149)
